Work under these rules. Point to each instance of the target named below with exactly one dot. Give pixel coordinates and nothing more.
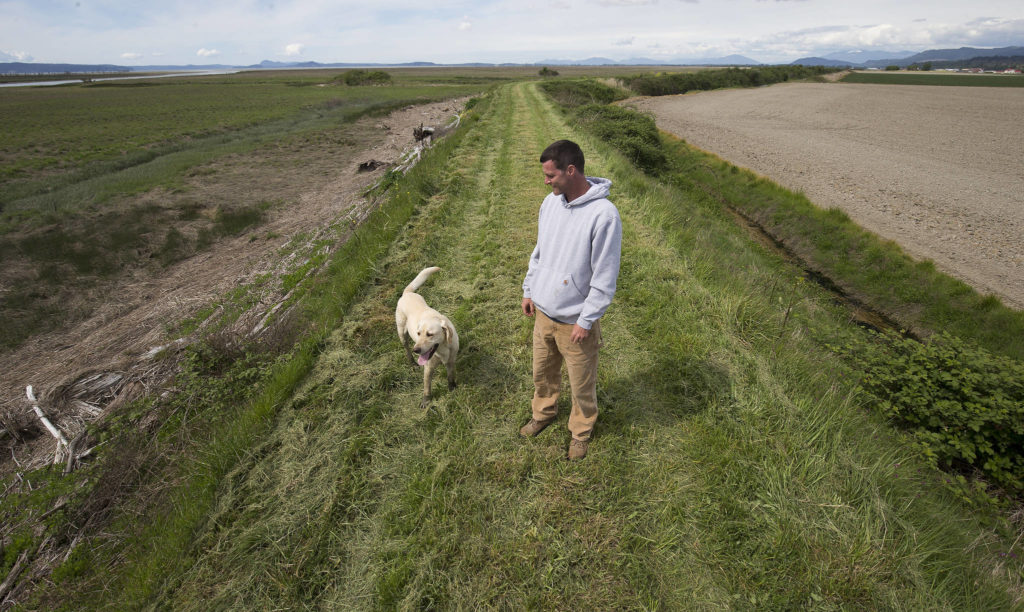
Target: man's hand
(578, 334)
(528, 307)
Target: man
(570, 283)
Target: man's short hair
(564, 153)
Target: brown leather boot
(577, 449)
(534, 427)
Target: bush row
(682, 82)
(633, 134)
(588, 103)
(580, 92)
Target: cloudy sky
(242, 32)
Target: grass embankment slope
(732, 466)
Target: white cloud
(989, 32)
(131, 56)
(247, 31)
(15, 56)
(914, 34)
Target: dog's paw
(425, 402)
(451, 385)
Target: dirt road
(936, 169)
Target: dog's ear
(447, 332)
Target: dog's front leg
(450, 368)
(428, 376)
(408, 353)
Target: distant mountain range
(729, 60)
(963, 54)
(861, 57)
(845, 59)
(27, 68)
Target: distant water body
(130, 78)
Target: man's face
(558, 179)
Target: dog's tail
(420, 279)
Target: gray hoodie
(575, 265)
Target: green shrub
(366, 77)
(579, 92)
(963, 403)
(634, 134)
(547, 72)
(892, 67)
(678, 83)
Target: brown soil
(935, 169)
(317, 189)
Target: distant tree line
(365, 77)
(682, 82)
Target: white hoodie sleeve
(605, 258)
(534, 259)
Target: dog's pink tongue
(423, 360)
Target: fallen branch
(12, 577)
(8, 588)
(266, 317)
(56, 433)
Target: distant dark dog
(434, 337)
(421, 133)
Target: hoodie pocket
(556, 292)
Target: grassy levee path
(732, 466)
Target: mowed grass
(733, 465)
(936, 78)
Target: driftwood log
(62, 443)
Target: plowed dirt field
(936, 169)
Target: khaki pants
(551, 346)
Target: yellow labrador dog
(434, 337)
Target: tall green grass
(733, 465)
